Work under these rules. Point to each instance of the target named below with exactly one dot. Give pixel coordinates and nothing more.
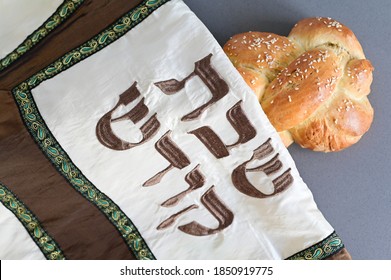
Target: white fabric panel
(20, 18)
(162, 47)
(15, 242)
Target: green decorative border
(52, 149)
(66, 9)
(106, 37)
(46, 244)
(322, 250)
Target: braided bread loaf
(312, 85)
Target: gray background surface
(353, 187)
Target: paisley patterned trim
(52, 149)
(66, 9)
(46, 244)
(322, 250)
(106, 37)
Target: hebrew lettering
(172, 153)
(105, 133)
(272, 166)
(208, 75)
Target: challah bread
(312, 85)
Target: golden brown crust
(313, 85)
(311, 33)
(306, 84)
(264, 52)
(358, 77)
(257, 83)
(335, 126)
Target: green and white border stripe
(44, 241)
(64, 11)
(321, 250)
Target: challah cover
(151, 124)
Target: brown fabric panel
(88, 20)
(80, 229)
(9, 125)
(341, 255)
